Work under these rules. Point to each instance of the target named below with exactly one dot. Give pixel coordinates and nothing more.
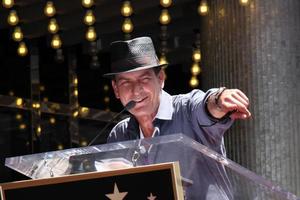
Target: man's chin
(140, 112)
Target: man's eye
(146, 79)
(123, 83)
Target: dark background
(15, 71)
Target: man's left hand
(229, 101)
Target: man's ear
(115, 88)
(162, 77)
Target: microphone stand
(127, 107)
(86, 163)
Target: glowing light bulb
(37, 105)
(52, 120)
(127, 26)
(106, 99)
(126, 9)
(196, 55)
(194, 82)
(22, 126)
(91, 34)
(17, 34)
(56, 42)
(76, 92)
(244, 2)
(75, 114)
(165, 3)
(49, 9)
(164, 17)
(195, 69)
(8, 3)
(11, 93)
(84, 110)
(53, 26)
(87, 3)
(83, 143)
(60, 147)
(203, 8)
(89, 18)
(13, 18)
(22, 49)
(163, 60)
(42, 88)
(19, 101)
(106, 88)
(18, 116)
(75, 81)
(38, 130)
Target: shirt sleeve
(212, 129)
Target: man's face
(143, 87)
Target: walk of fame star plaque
(151, 182)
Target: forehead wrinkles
(133, 75)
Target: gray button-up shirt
(183, 113)
(187, 114)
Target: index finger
(241, 94)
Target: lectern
(204, 174)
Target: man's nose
(137, 88)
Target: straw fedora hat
(132, 55)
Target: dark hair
(156, 69)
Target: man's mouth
(140, 100)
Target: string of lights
(53, 29)
(91, 33)
(196, 58)
(106, 97)
(164, 20)
(17, 36)
(13, 20)
(127, 26)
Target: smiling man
(203, 116)
(144, 88)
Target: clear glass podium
(205, 173)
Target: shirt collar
(165, 109)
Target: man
(137, 76)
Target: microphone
(127, 107)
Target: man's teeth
(138, 101)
